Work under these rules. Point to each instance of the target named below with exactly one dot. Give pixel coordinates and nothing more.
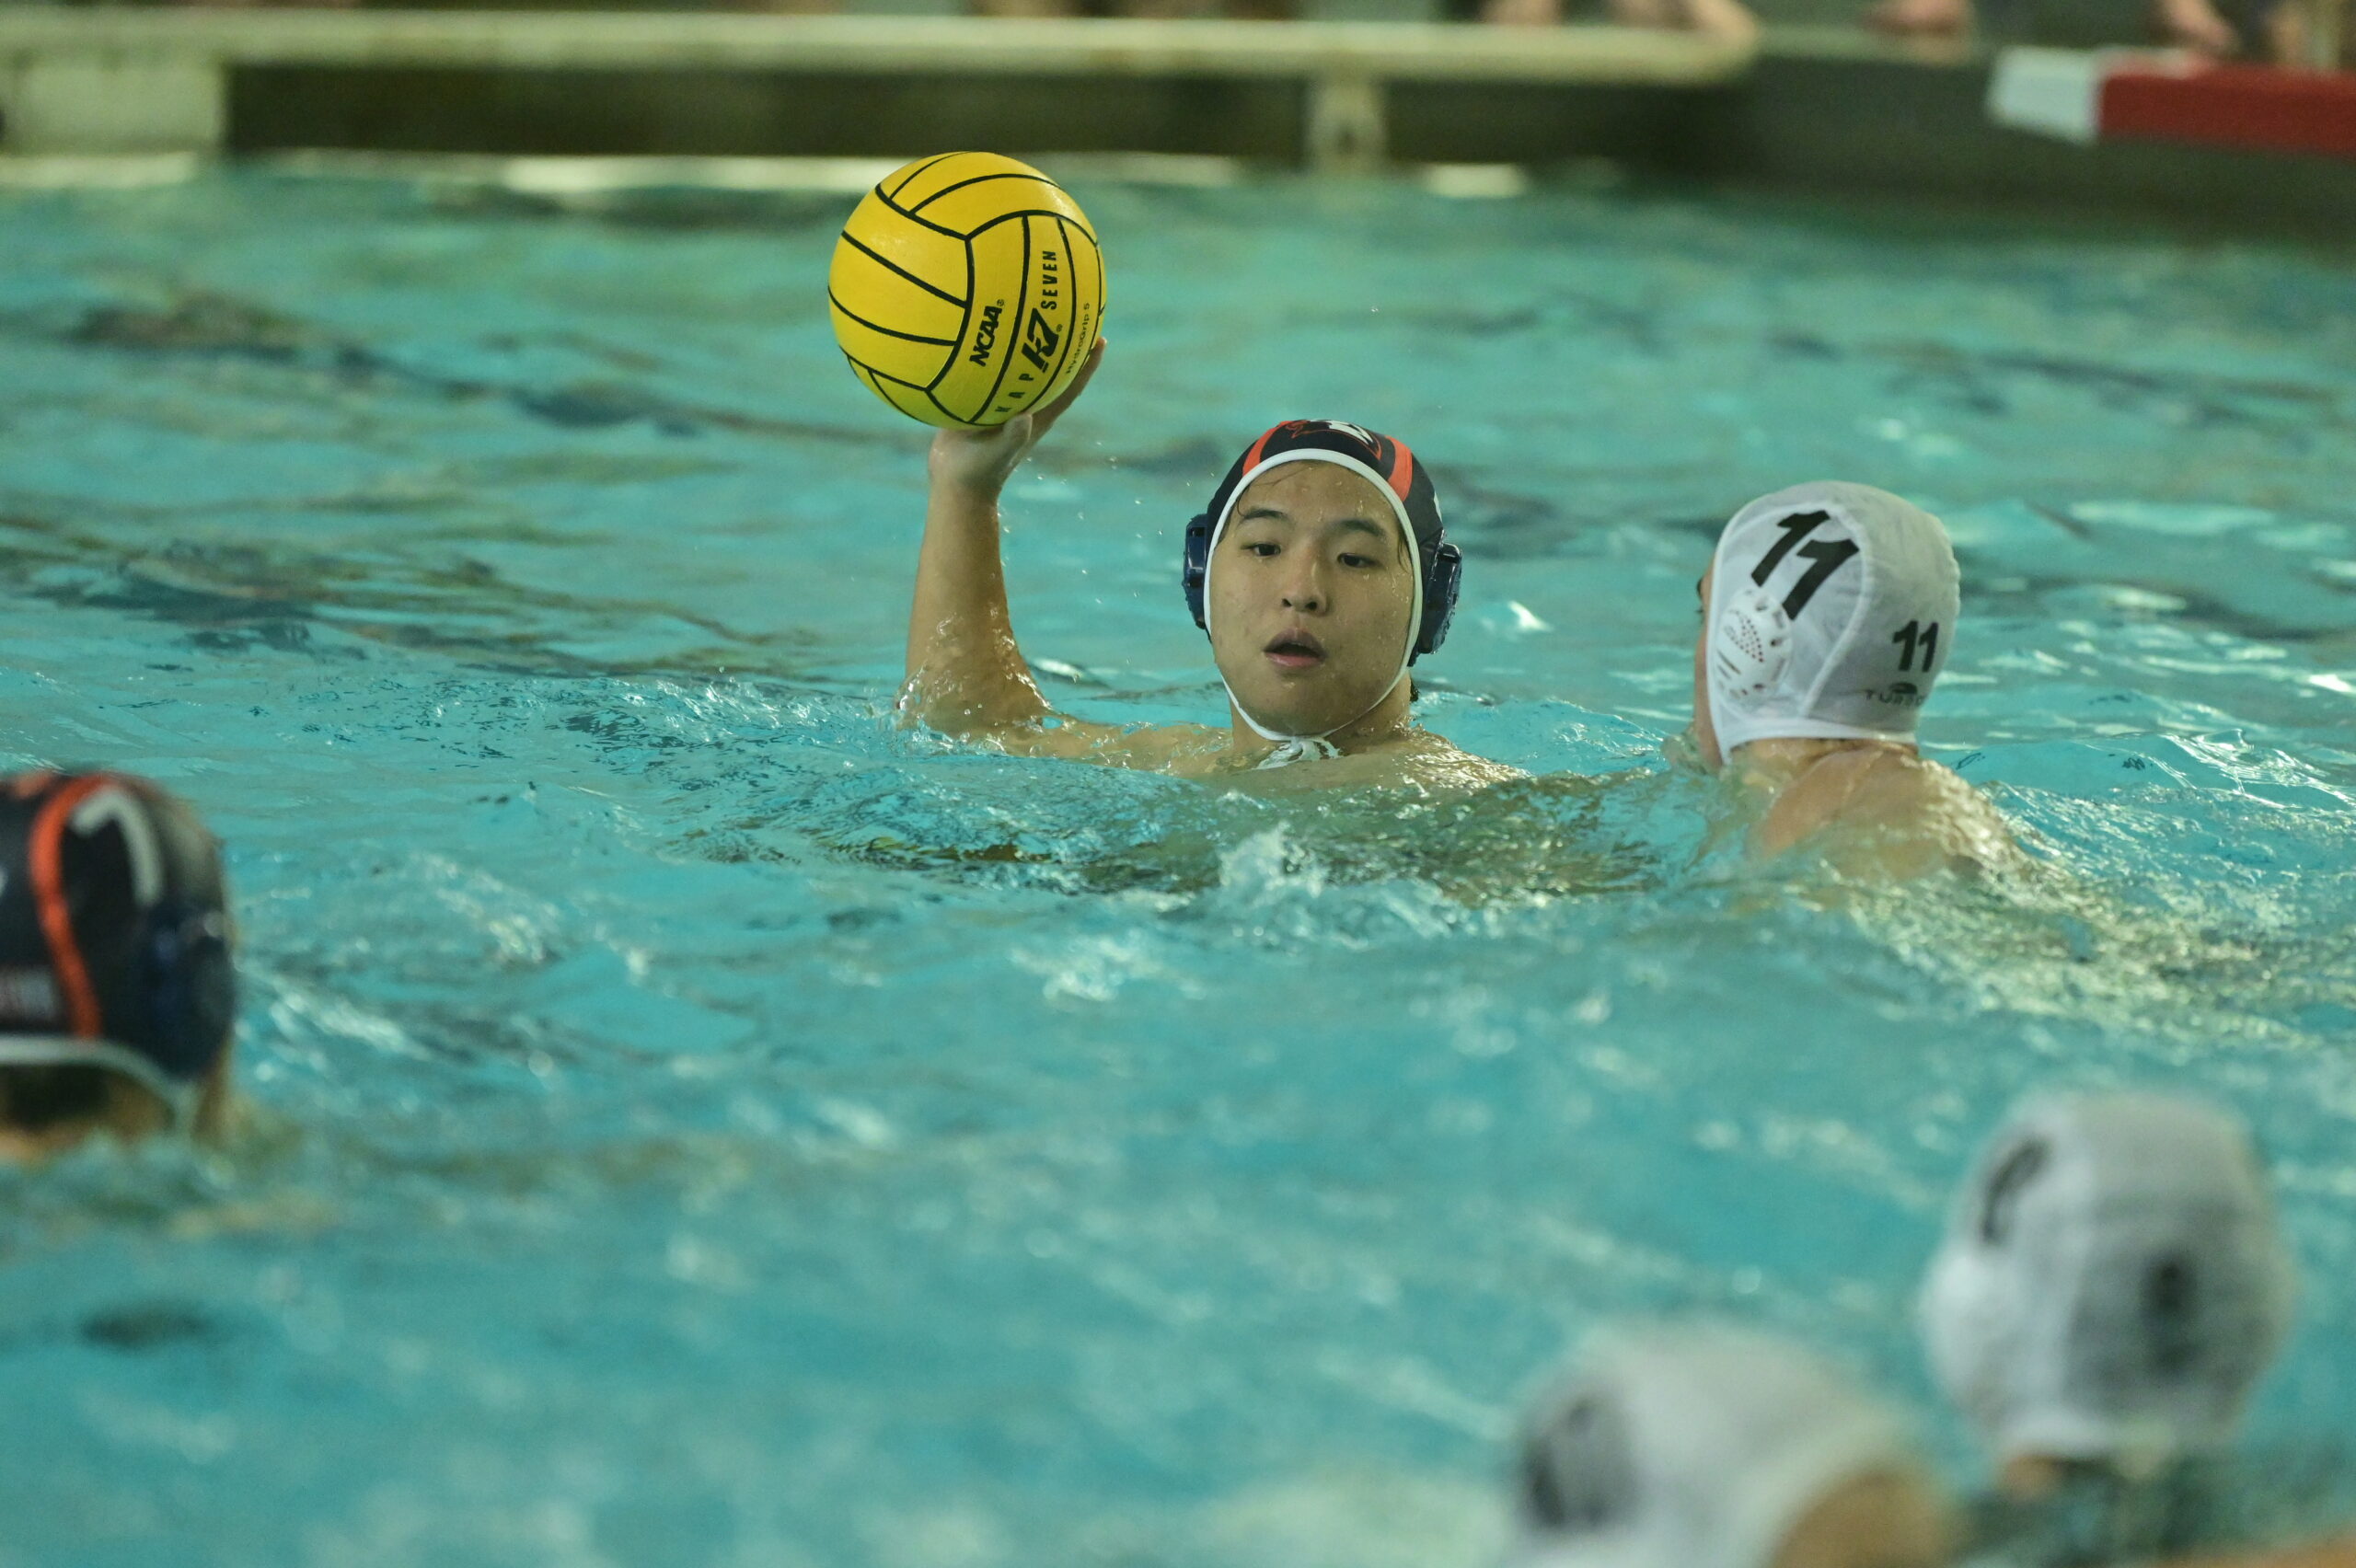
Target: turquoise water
(701, 1124)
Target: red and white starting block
(2116, 94)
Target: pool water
(700, 1123)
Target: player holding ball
(1321, 569)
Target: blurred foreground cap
(1692, 1447)
(114, 933)
(2113, 1282)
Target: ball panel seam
(927, 223)
(887, 331)
(978, 180)
(908, 175)
(877, 381)
(1009, 217)
(1021, 304)
(1071, 320)
(869, 253)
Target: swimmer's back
(1884, 811)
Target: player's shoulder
(1426, 761)
(1185, 749)
(1181, 748)
(1438, 759)
(1884, 792)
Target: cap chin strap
(1292, 748)
(70, 1051)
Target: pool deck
(1831, 107)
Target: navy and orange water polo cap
(1385, 463)
(114, 932)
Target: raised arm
(965, 676)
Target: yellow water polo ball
(966, 289)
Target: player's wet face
(1310, 593)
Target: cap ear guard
(2170, 1302)
(1197, 569)
(1971, 1307)
(189, 985)
(1443, 574)
(188, 973)
(1579, 1468)
(2001, 1192)
(1750, 644)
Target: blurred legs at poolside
(2320, 34)
(2185, 24)
(1163, 10)
(2286, 33)
(1724, 18)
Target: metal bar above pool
(121, 79)
(1823, 108)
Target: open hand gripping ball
(966, 289)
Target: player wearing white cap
(1701, 1446)
(2112, 1286)
(1826, 615)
